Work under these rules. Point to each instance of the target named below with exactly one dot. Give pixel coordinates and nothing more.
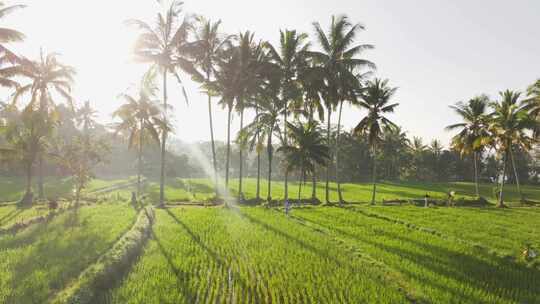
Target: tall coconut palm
(307, 150)
(208, 48)
(533, 103)
(289, 58)
(312, 84)
(474, 127)
(26, 134)
(376, 100)
(165, 46)
(8, 35)
(267, 122)
(227, 84)
(509, 127)
(46, 76)
(140, 121)
(251, 64)
(338, 64)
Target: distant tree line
(297, 89)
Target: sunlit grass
(215, 255)
(178, 190)
(42, 259)
(440, 270)
(504, 230)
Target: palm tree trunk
(139, 169)
(327, 195)
(374, 177)
(227, 162)
(300, 188)
(475, 155)
(501, 200)
(270, 156)
(313, 177)
(212, 136)
(163, 143)
(28, 196)
(258, 195)
(240, 194)
(314, 187)
(41, 192)
(285, 143)
(337, 154)
(516, 174)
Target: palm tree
(533, 103)
(312, 85)
(376, 100)
(6, 56)
(307, 149)
(208, 49)
(509, 126)
(266, 124)
(251, 62)
(140, 120)
(337, 63)
(474, 126)
(46, 76)
(395, 145)
(25, 133)
(86, 118)
(289, 59)
(165, 47)
(226, 85)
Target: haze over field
(436, 52)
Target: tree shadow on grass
(11, 215)
(289, 237)
(182, 278)
(503, 277)
(54, 258)
(213, 254)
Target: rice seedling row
(250, 255)
(41, 260)
(441, 270)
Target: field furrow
(42, 259)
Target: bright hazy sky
(436, 51)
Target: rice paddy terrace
(109, 251)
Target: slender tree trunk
(475, 155)
(337, 155)
(314, 187)
(374, 177)
(270, 156)
(212, 136)
(240, 181)
(516, 174)
(501, 200)
(285, 143)
(300, 184)
(41, 192)
(313, 177)
(258, 195)
(139, 169)
(227, 162)
(27, 199)
(327, 194)
(163, 143)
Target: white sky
(436, 51)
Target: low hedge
(110, 267)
